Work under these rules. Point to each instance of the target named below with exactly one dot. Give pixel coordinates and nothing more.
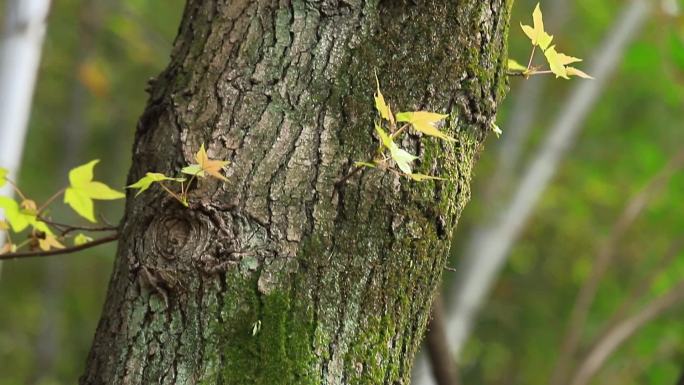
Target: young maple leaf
(82, 190)
(425, 122)
(205, 166)
(18, 218)
(151, 177)
(46, 238)
(381, 105)
(81, 239)
(402, 157)
(559, 61)
(537, 34)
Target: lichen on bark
(280, 276)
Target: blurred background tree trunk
(21, 43)
(280, 276)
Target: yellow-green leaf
(18, 219)
(537, 35)
(423, 177)
(82, 190)
(565, 59)
(193, 169)
(425, 122)
(380, 103)
(515, 66)
(402, 158)
(556, 62)
(81, 239)
(572, 71)
(151, 177)
(3, 176)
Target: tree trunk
(279, 276)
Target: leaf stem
(399, 131)
(529, 63)
(346, 177)
(50, 200)
(15, 188)
(179, 199)
(66, 228)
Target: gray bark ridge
(279, 276)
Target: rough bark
(339, 279)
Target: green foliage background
(98, 56)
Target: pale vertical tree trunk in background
(486, 254)
(20, 48)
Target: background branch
(623, 331)
(66, 250)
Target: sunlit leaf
(82, 239)
(572, 71)
(50, 242)
(381, 105)
(537, 34)
(401, 157)
(558, 62)
(423, 177)
(425, 122)
(82, 190)
(29, 205)
(515, 66)
(555, 62)
(151, 177)
(497, 130)
(206, 165)
(18, 219)
(46, 238)
(193, 169)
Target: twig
(66, 250)
(346, 177)
(66, 228)
(623, 331)
(604, 258)
(441, 360)
(641, 289)
(50, 200)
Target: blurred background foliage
(99, 55)
(97, 58)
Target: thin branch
(66, 228)
(66, 250)
(346, 177)
(50, 200)
(605, 347)
(642, 288)
(604, 258)
(441, 360)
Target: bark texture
(279, 277)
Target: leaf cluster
(389, 129)
(559, 63)
(44, 234)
